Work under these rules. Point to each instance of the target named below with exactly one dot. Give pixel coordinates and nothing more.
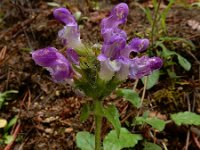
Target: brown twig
(195, 130)
(3, 53)
(196, 140)
(187, 141)
(16, 131)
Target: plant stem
(98, 124)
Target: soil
(48, 113)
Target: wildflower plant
(97, 71)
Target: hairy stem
(98, 124)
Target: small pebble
(50, 119)
(68, 130)
(49, 130)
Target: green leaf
(186, 118)
(165, 52)
(85, 140)
(53, 4)
(10, 124)
(130, 96)
(151, 146)
(152, 79)
(172, 74)
(125, 140)
(154, 122)
(196, 4)
(184, 62)
(85, 112)
(5, 95)
(147, 12)
(112, 114)
(8, 139)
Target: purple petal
(72, 56)
(155, 63)
(45, 57)
(108, 33)
(113, 47)
(138, 45)
(143, 66)
(65, 16)
(118, 16)
(102, 57)
(61, 71)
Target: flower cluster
(115, 52)
(114, 59)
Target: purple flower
(70, 34)
(143, 66)
(114, 57)
(58, 66)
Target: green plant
(157, 20)
(6, 137)
(163, 45)
(5, 96)
(96, 72)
